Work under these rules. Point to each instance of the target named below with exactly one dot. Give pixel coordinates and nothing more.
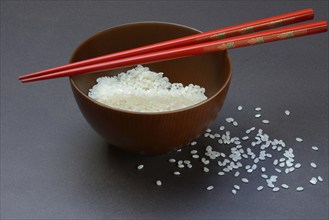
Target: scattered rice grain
(237, 173)
(172, 160)
(285, 186)
(140, 166)
(210, 188)
(278, 170)
(298, 139)
(315, 148)
(299, 189)
(245, 180)
(313, 180)
(297, 165)
(236, 187)
(245, 138)
(176, 173)
(275, 189)
(229, 120)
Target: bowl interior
(210, 71)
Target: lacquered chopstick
(207, 47)
(249, 27)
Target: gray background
(54, 166)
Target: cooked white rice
(142, 90)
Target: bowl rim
(73, 83)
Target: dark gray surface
(53, 165)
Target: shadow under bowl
(152, 133)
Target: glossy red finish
(196, 49)
(226, 32)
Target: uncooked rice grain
(299, 189)
(297, 165)
(315, 148)
(298, 139)
(236, 187)
(177, 173)
(206, 169)
(237, 173)
(313, 180)
(245, 180)
(285, 186)
(278, 170)
(210, 188)
(275, 189)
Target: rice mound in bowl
(141, 90)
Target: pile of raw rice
(142, 90)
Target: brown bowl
(152, 133)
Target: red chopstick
(249, 27)
(213, 46)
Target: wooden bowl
(152, 133)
